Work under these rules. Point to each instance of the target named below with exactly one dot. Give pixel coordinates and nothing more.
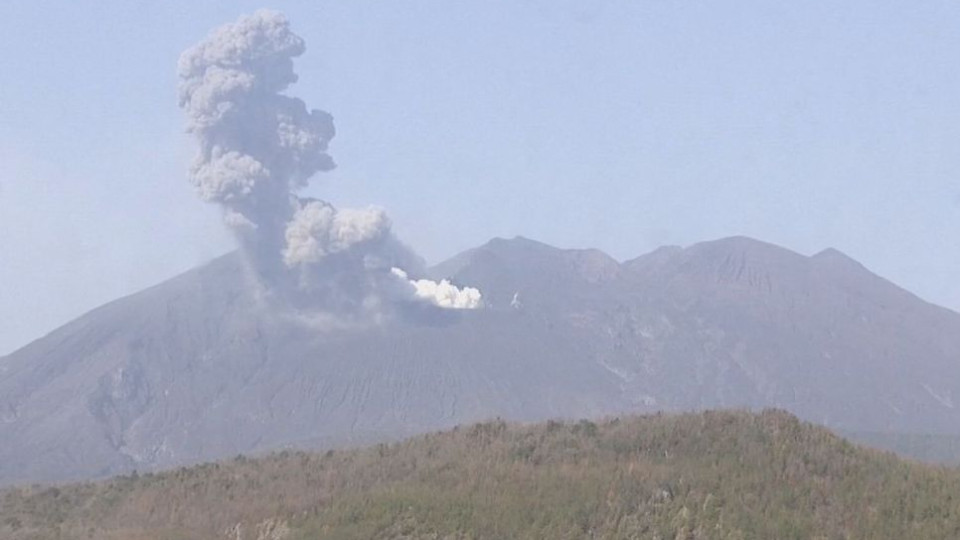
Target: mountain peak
(744, 245)
(196, 368)
(540, 258)
(836, 257)
(517, 243)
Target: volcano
(199, 367)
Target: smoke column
(257, 148)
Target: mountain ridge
(199, 367)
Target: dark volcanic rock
(197, 369)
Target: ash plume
(257, 148)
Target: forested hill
(717, 475)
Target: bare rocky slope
(195, 369)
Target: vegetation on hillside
(717, 475)
(928, 448)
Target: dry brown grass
(724, 475)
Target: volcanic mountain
(197, 368)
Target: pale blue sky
(618, 125)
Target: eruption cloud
(257, 148)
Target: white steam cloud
(257, 148)
(442, 294)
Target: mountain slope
(197, 368)
(712, 475)
(737, 322)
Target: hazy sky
(617, 125)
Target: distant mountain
(737, 322)
(712, 475)
(195, 369)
